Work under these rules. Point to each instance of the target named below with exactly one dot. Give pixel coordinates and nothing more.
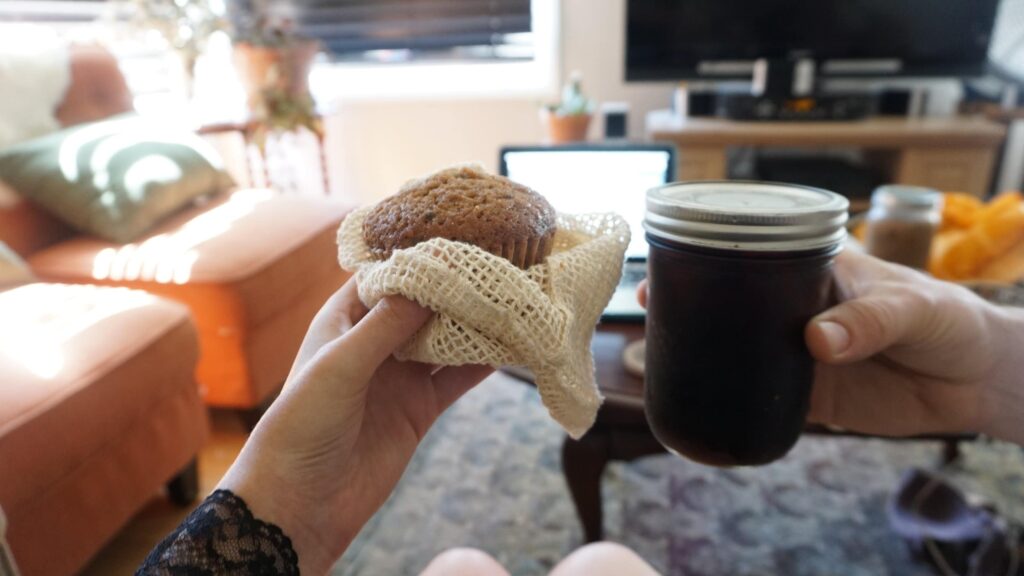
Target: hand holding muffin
(333, 445)
(511, 281)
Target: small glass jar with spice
(901, 224)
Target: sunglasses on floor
(956, 534)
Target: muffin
(464, 204)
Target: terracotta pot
(283, 67)
(562, 129)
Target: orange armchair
(252, 266)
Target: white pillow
(34, 61)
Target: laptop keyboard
(623, 305)
(633, 273)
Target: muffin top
(463, 204)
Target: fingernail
(836, 335)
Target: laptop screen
(582, 179)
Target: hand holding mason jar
(743, 347)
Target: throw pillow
(13, 269)
(115, 178)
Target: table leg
(184, 487)
(950, 451)
(266, 167)
(583, 463)
(323, 163)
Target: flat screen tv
(688, 39)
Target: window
(145, 60)
(426, 63)
(411, 30)
(392, 49)
(53, 12)
(1007, 49)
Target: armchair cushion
(25, 227)
(254, 267)
(13, 269)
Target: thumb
(391, 323)
(860, 328)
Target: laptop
(600, 177)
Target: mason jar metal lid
(900, 196)
(741, 215)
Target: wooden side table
(949, 154)
(621, 432)
(248, 130)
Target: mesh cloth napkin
(490, 312)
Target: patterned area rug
(488, 476)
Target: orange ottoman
(98, 410)
(254, 267)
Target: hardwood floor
(127, 550)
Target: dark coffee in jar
(735, 271)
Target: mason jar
(901, 224)
(735, 272)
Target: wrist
(275, 503)
(1004, 393)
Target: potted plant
(568, 120)
(186, 26)
(273, 63)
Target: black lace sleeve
(221, 536)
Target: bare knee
(603, 559)
(464, 562)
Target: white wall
(594, 42)
(374, 146)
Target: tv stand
(949, 154)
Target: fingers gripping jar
(736, 270)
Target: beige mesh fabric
(491, 312)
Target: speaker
(902, 101)
(894, 102)
(702, 103)
(616, 116)
(687, 102)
